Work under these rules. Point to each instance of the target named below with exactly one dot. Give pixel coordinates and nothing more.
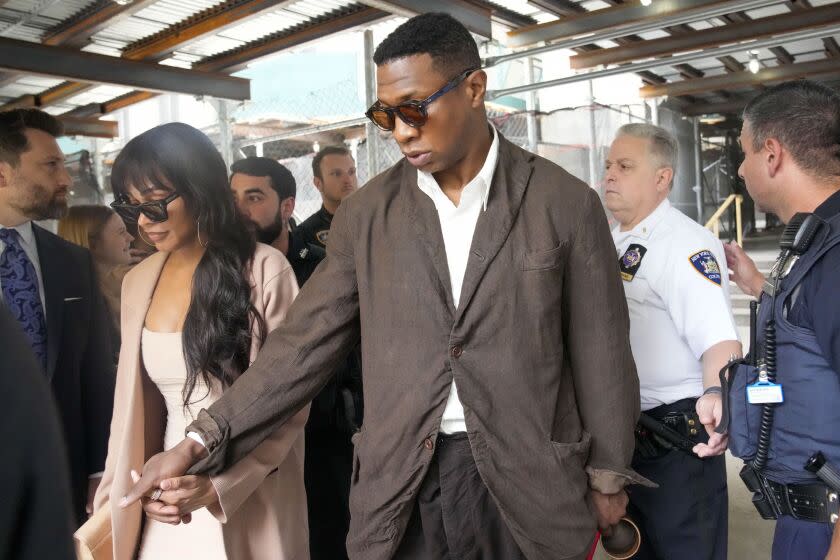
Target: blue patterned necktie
(20, 290)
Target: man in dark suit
(49, 286)
(35, 517)
(500, 390)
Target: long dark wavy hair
(220, 320)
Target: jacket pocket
(544, 260)
(574, 450)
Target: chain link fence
(292, 131)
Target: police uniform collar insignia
(630, 261)
(303, 253)
(705, 263)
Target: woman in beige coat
(194, 316)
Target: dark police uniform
(335, 415)
(316, 228)
(303, 256)
(806, 314)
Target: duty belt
(808, 502)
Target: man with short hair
(50, 287)
(682, 333)
(791, 142)
(500, 390)
(265, 193)
(334, 172)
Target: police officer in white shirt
(682, 333)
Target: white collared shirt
(457, 223)
(27, 241)
(678, 299)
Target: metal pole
(225, 133)
(654, 110)
(532, 104)
(698, 170)
(812, 33)
(593, 146)
(371, 132)
(99, 172)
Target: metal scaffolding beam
(595, 30)
(77, 31)
(629, 18)
(237, 59)
(74, 126)
(816, 33)
(22, 56)
(742, 80)
(207, 22)
(710, 38)
(474, 17)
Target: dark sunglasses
(154, 210)
(413, 113)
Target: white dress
(201, 539)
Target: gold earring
(198, 233)
(143, 239)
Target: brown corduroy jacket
(538, 347)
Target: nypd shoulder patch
(705, 263)
(322, 236)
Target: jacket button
(457, 351)
(429, 444)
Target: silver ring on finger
(156, 495)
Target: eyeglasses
(154, 210)
(412, 113)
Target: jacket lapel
(126, 523)
(53, 266)
(425, 223)
(513, 170)
(141, 298)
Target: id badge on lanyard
(765, 391)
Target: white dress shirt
(457, 223)
(678, 302)
(27, 241)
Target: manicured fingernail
(124, 501)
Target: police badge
(630, 261)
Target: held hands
(609, 509)
(709, 410)
(169, 464)
(177, 498)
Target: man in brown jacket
(499, 385)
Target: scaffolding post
(532, 104)
(698, 170)
(225, 132)
(593, 141)
(371, 131)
